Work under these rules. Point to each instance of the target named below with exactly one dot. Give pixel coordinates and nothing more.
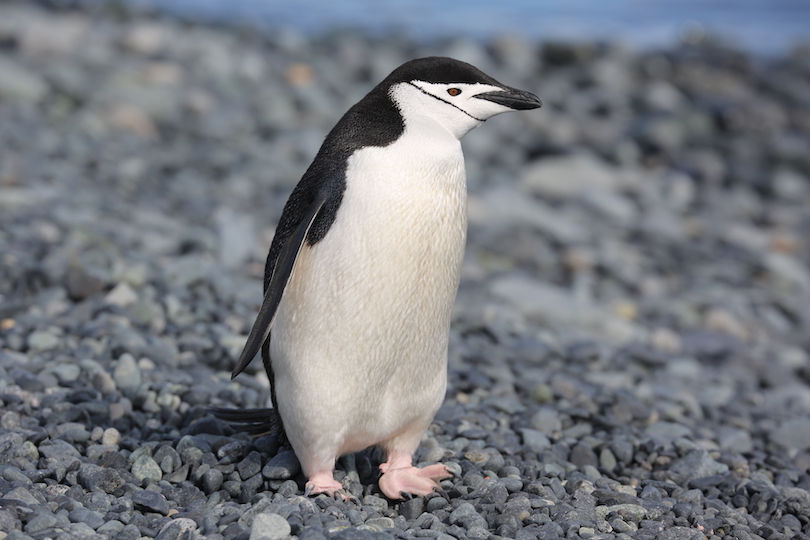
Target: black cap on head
(444, 70)
(441, 70)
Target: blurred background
(767, 26)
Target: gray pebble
(82, 515)
(43, 340)
(582, 455)
(269, 526)
(793, 434)
(547, 421)
(168, 458)
(176, 529)
(698, 463)
(93, 478)
(66, 373)
(212, 480)
(250, 466)
(413, 508)
(535, 440)
(58, 449)
(127, 374)
(41, 523)
(151, 501)
(146, 467)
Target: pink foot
(323, 483)
(395, 482)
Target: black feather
(252, 421)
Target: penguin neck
(415, 106)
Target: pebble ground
(629, 353)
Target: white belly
(359, 346)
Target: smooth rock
(269, 526)
(793, 434)
(151, 501)
(282, 466)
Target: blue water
(764, 26)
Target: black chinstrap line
(445, 101)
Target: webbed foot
(325, 483)
(411, 480)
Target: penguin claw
(323, 483)
(405, 495)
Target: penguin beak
(518, 100)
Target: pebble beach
(630, 349)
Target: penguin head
(454, 94)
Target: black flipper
(275, 288)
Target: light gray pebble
(110, 528)
(41, 523)
(697, 464)
(146, 467)
(269, 526)
(66, 373)
(793, 434)
(176, 529)
(547, 421)
(381, 523)
(82, 515)
(58, 449)
(13, 474)
(127, 374)
(192, 448)
(606, 459)
(534, 440)
(378, 503)
(168, 458)
(79, 530)
(43, 340)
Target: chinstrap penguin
(363, 272)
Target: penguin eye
(454, 91)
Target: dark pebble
(93, 477)
(353, 533)
(82, 515)
(212, 480)
(582, 454)
(251, 465)
(282, 466)
(412, 509)
(312, 533)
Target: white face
(454, 106)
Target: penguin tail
(251, 421)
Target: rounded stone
(269, 527)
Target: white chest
(362, 330)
